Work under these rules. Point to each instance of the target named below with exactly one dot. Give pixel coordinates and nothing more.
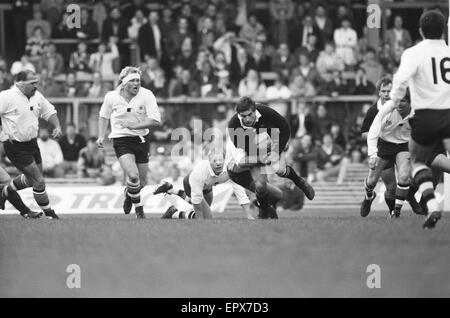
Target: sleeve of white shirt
(375, 128)
(3, 102)
(406, 70)
(152, 107)
(106, 108)
(197, 181)
(47, 109)
(240, 193)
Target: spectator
(150, 37)
(251, 29)
(52, 157)
(206, 36)
(240, 67)
(323, 122)
(79, 60)
(4, 82)
(311, 48)
(223, 88)
(269, 49)
(323, 24)
(210, 13)
(51, 60)
(283, 61)
(186, 12)
(345, 39)
(338, 136)
(277, 95)
(71, 88)
(71, 144)
(206, 79)
(307, 69)
(186, 57)
(228, 45)
(98, 88)
(22, 65)
(130, 8)
(331, 160)
(186, 86)
(159, 87)
(398, 37)
(35, 46)
(261, 60)
(280, 28)
(91, 160)
(102, 60)
(175, 177)
(47, 86)
(342, 12)
(177, 37)
(114, 26)
(362, 85)
(304, 156)
(38, 22)
(149, 71)
(328, 61)
(302, 122)
(374, 70)
(220, 63)
(339, 85)
(167, 23)
(89, 27)
(357, 144)
(299, 34)
(136, 23)
(62, 30)
(363, 45)
(161, 135)
(252, 86)
(386, 58)
(300, 87)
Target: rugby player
(132, 111)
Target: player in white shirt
(197, 188)
(387, 142)
(425, 68)
(20, 110)
(132, 111)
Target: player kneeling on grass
(198, 188)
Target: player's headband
(130, 77)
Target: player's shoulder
(146, 92)
(234, 121)
(110, 94)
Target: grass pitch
(309, 253)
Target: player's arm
(153, 116)
(239, 156)
(408, 67)
(367, 122)
(48, 113)
(374, 133)
(103, 119)
(243, 200)
(197, 181)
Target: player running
(259, 137)
(132, 111)
(197, 188)
(424, 68)
(20, 109)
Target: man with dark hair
(20, 110)
(424, 68)
(71, 144)
(258, 137)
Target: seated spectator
(398, 36)
(338, 136)
(300, 31)
(277, 94)
(159, 87)
(340, 85)
(357, 144)
(261, 60)
(186, 57)
(206, 34)
(250, 30)
(283, 61)
(328, 61)
(304, 156)
(38, 22)
(114, 26)
(307, 69)
(71, 144)
(186, 86)
(280, 27)
(206, 78)
(373, 68)
(98, 88)
(79, 60)
(22, 65)
(228, 45)
(239, 67)
(363, 45)
(362, 85)
(345, 39)
(137, 21)
(52, 156)
(222, 88)
(71, 88)
(167, 23)
(149, 37)
(102, 60)
(62, 30)
(4, 82)
(89, 27)
(331, 160)
(302, 121)
(176, 37)
(47, 86)
(149, 70)
(252, 86)
(323, 122)
(311, 49)
(300, 87)
(35, 46)
(51, 60)
(220, 63)
(91, 160)
(386, 58)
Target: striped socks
(41, 198)
(401, 193)
(134, 192)
(369, 190)
(424, 179)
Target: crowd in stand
(215, 48)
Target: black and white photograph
(224, 155)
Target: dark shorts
(430, 126)
(134, 146)
(22, 154)
(437, 150)
(388, 151)
(187, 187)
(243, 178)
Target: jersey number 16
(444, 70)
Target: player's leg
(403, 173)
(441, 163)
(266, 195)
(390, 182)
(128, 164)
(369, 186)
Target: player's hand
(100, 142)
(373, 162)
(57, 133)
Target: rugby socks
(292, 175)
(424, 179)
(18, 183)
(16, 201)
(41, 198)
(184, 215)
(369, 190)
(263, 199)
(401, 193)
(390, 201)
(134, 192)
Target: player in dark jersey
(259, 137)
